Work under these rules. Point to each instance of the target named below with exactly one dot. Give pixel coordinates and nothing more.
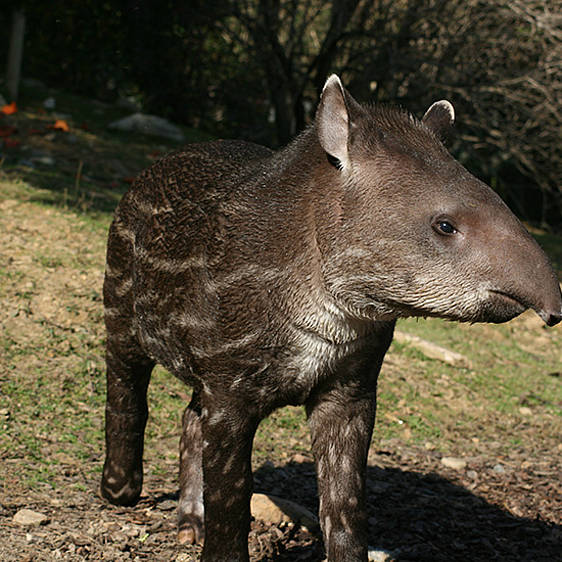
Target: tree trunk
(15, 53)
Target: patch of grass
(509, 381)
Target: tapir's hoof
(120, 494)
(191, 530)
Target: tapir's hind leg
(190, 508)
(128, 375)
(125, 420)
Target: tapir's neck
(300, 157)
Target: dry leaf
(9, 109)
(61, 125)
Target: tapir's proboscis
(266, 278)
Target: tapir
(264, 278)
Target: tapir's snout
(526, 277)
(517, 273)
(544, 295)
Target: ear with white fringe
(333, 121)
(440, 118)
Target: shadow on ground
(425, 517)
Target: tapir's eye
(442, 226)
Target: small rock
(472, 474)
(524, 411)
(297, 457)
(50, 103)
(278, 510)
(378, 555)
(29, 518)
(499, 469)
(45, 160)
(131, 531)
(454, 463)
(149, 125)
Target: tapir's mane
(392, 126)
(390, 116)
(398, 128)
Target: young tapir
(267, 278)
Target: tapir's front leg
(341, 421)
(228, 430)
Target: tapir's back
(195, 177)
(166, 229)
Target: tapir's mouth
(512, 301)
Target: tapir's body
(264, 279)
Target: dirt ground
(419, 511)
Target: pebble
(277, 510)
(29, 518)
(299, 458)
(454, 463)
(378, 555)
(499, 469)
(524, 411)
(45, 160)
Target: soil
(419, 511)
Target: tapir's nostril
(549, 317)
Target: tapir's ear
(334, 120)
(440, 118)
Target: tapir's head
(411, 232)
